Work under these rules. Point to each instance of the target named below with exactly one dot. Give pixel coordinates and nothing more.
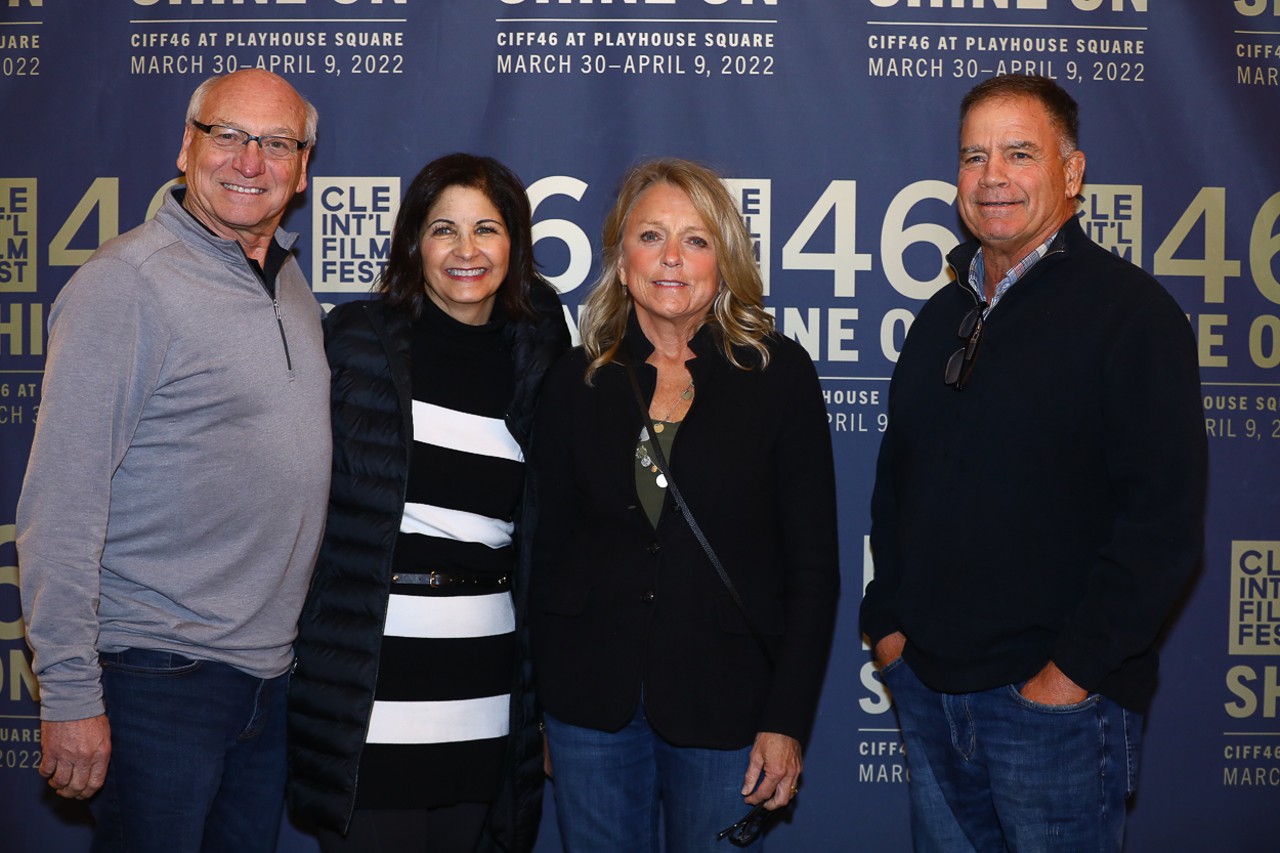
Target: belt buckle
(435, 579)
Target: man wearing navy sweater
(1038, 506)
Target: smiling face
(238, 194)
(1015, 186)
(465, 247)
(668, 262)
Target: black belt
(446, 579)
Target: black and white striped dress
(440, 718)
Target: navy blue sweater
(1053, 509)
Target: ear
(182, 152)
(622, 273)
(302, 173)
(1073, 169)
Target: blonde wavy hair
(737, 314)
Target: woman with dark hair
(685, 575)
(411, 717)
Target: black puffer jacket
(340, 631)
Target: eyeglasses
(960, 365)
(746, 831)
(230, 138)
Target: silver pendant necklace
(646, 460)
(643, 456)
(686, 394)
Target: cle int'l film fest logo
(1255, 598)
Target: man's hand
(76, 754)
(890, 647)
(777, 757)
(1050, 686)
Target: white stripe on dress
(455, 524)
(462, 431)
(452, 617)
(439, 722)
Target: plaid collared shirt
(977, 270)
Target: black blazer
(340, 630)
(616, 606)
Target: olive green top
(651, 485)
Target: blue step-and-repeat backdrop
(836, 122)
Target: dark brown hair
(401, 283)
(1062, 108)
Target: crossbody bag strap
(661, 460)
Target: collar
(978, 270)
(437, 319)
(965, 257)
(177, 219)
(637, 345)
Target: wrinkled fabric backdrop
(835, 121)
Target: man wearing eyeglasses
(176, 491)
(1038, 505)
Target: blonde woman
(667, 691)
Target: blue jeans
(994, 771)
(609, 785)
(197, 757)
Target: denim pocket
(147, 662)
(1083, 705)
(891, 665)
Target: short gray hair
(196, 105)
